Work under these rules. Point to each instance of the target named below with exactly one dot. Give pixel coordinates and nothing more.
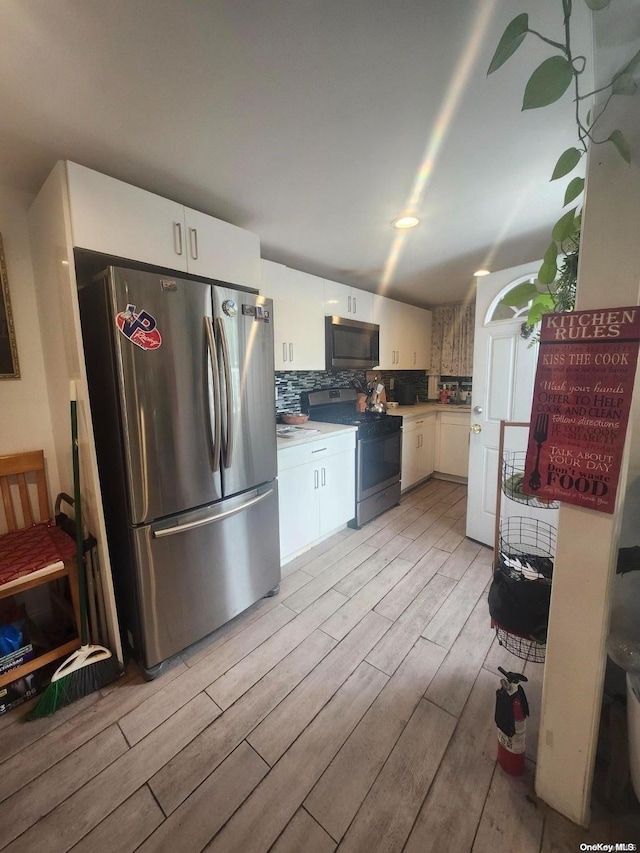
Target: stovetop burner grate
(368, 423)
(350, 417)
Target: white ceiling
(309, 122)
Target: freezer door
(198, 570)
(244, 335)
(166, 372)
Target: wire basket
(513, 464)
(526, 548)
(521, 647)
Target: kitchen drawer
(313, 451)
(454, 418)
(409, 424)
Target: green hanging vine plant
(548, 83)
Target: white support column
(588, 541)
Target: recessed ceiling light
(480, 273)
(405, 222)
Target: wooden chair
(33, 551)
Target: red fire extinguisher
(512, 710)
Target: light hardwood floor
(354, 711)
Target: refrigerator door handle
(228, 438)
(217, 428)
(210, 519)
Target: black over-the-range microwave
(351, 344)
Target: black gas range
(338, 406)
(378, 448)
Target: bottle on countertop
(444, 394)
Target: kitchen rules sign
(581, 402)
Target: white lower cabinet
(418, 449)
(316, 488)
(452, 444)
(298, 509)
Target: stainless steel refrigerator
(181, 383)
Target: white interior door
(504, 365)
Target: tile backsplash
(290, 383)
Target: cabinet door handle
(316, 479)
(284, 352)
(354, 305)
(393, 356)
(177, 238)
(193, 236)
(414, 358)
(319, 450)
(417, 442)
(290, 352)
(348, 305)
(324, 476)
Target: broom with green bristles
(90, 667)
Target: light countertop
(316, 431)
(428, 408)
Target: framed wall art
(9, 368)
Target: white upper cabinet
(217, 249)
(406, 337)
(298, 316)
(340, 300)
(420, 355)
(405, 334)
(387, 315)
(118, 219)
(115, 218)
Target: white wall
(25, 422)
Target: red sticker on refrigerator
(139, 327)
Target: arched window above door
(499, 312)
